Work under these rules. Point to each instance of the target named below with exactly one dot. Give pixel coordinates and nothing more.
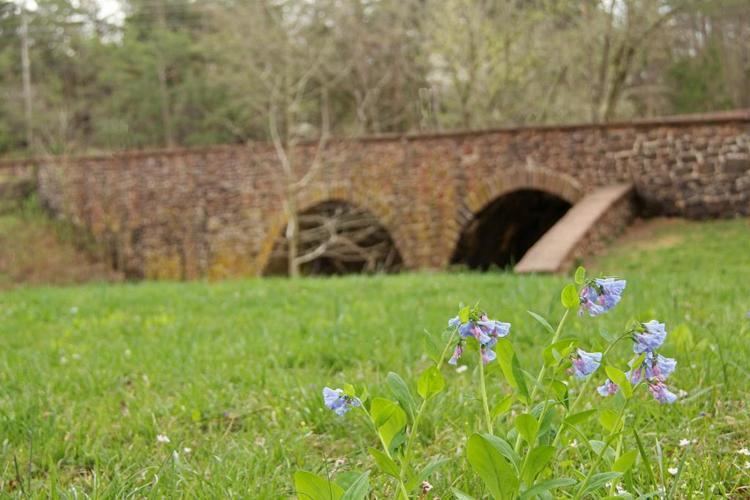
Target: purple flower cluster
(600, 295)
(340, 403)
(655, 368)
(585, 363)
(486, 332)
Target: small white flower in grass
(462, 369)
(574, 443)
(187, 450)
(685, 442)
(744, 451)
(620, 490)
(426, 487)
(672, 470)
(747, 465)
(74, 310)
(162, 438)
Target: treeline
(160, 73)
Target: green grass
(90, 375)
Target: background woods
(153, 73)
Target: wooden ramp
(584, 230)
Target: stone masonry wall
(216, 212)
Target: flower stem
(401, 485)
(418, 418)
(600, 456)
(543, 370)
(585, 385)
(483, 390)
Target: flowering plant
(538, 420)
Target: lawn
(94, 379)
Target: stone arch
(347, 194)
(478, 196)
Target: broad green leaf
(561, 391)
(553, 353)
(545, 486)
(504, 448)
(618, 377)
(384, 462)
(536, 461)
(464, 315)
(495, 471)
(310, 486)
(540, 319)
(359, 489)
(389, 418)
(505, 354)
(527, 426)
(460, 495)
(503, 406)
(523, 390)
(401, 392)
(430, 383)
(599, 480)
(569, 297)
(579, 417)
(580, 275)
(610, 420)
(625, 462)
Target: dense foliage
(181, 72)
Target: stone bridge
(442, 198)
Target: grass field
(232, 372)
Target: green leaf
(460, 495)
(503, 406)
(504, 350)
(580, 275)
(430, 383)
(610, 420)
(536, 461)
(553, 353)
(542, 322)
(388, 417)
(426, 472)
(523, 390)
(504, 448)
(359, 489)
(464, 315)
(569, 297)
(618, 377)
(579, 417)
(495, 471)
(625, 462)
(384, 462)
(401, 392)
(545, 486)
(599, 480)
(310, 486)
(561, 391)
(527, 426)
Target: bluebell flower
(654, 367)
(340, 403)
(457, 353)
(601, 295)
(608, 388)
(651, 338)
(488, 355)
(585, 363)
(661, 393)
(486, 332)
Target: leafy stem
(483, 390)
(387, 452)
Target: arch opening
(337, 237)
(504, 230)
